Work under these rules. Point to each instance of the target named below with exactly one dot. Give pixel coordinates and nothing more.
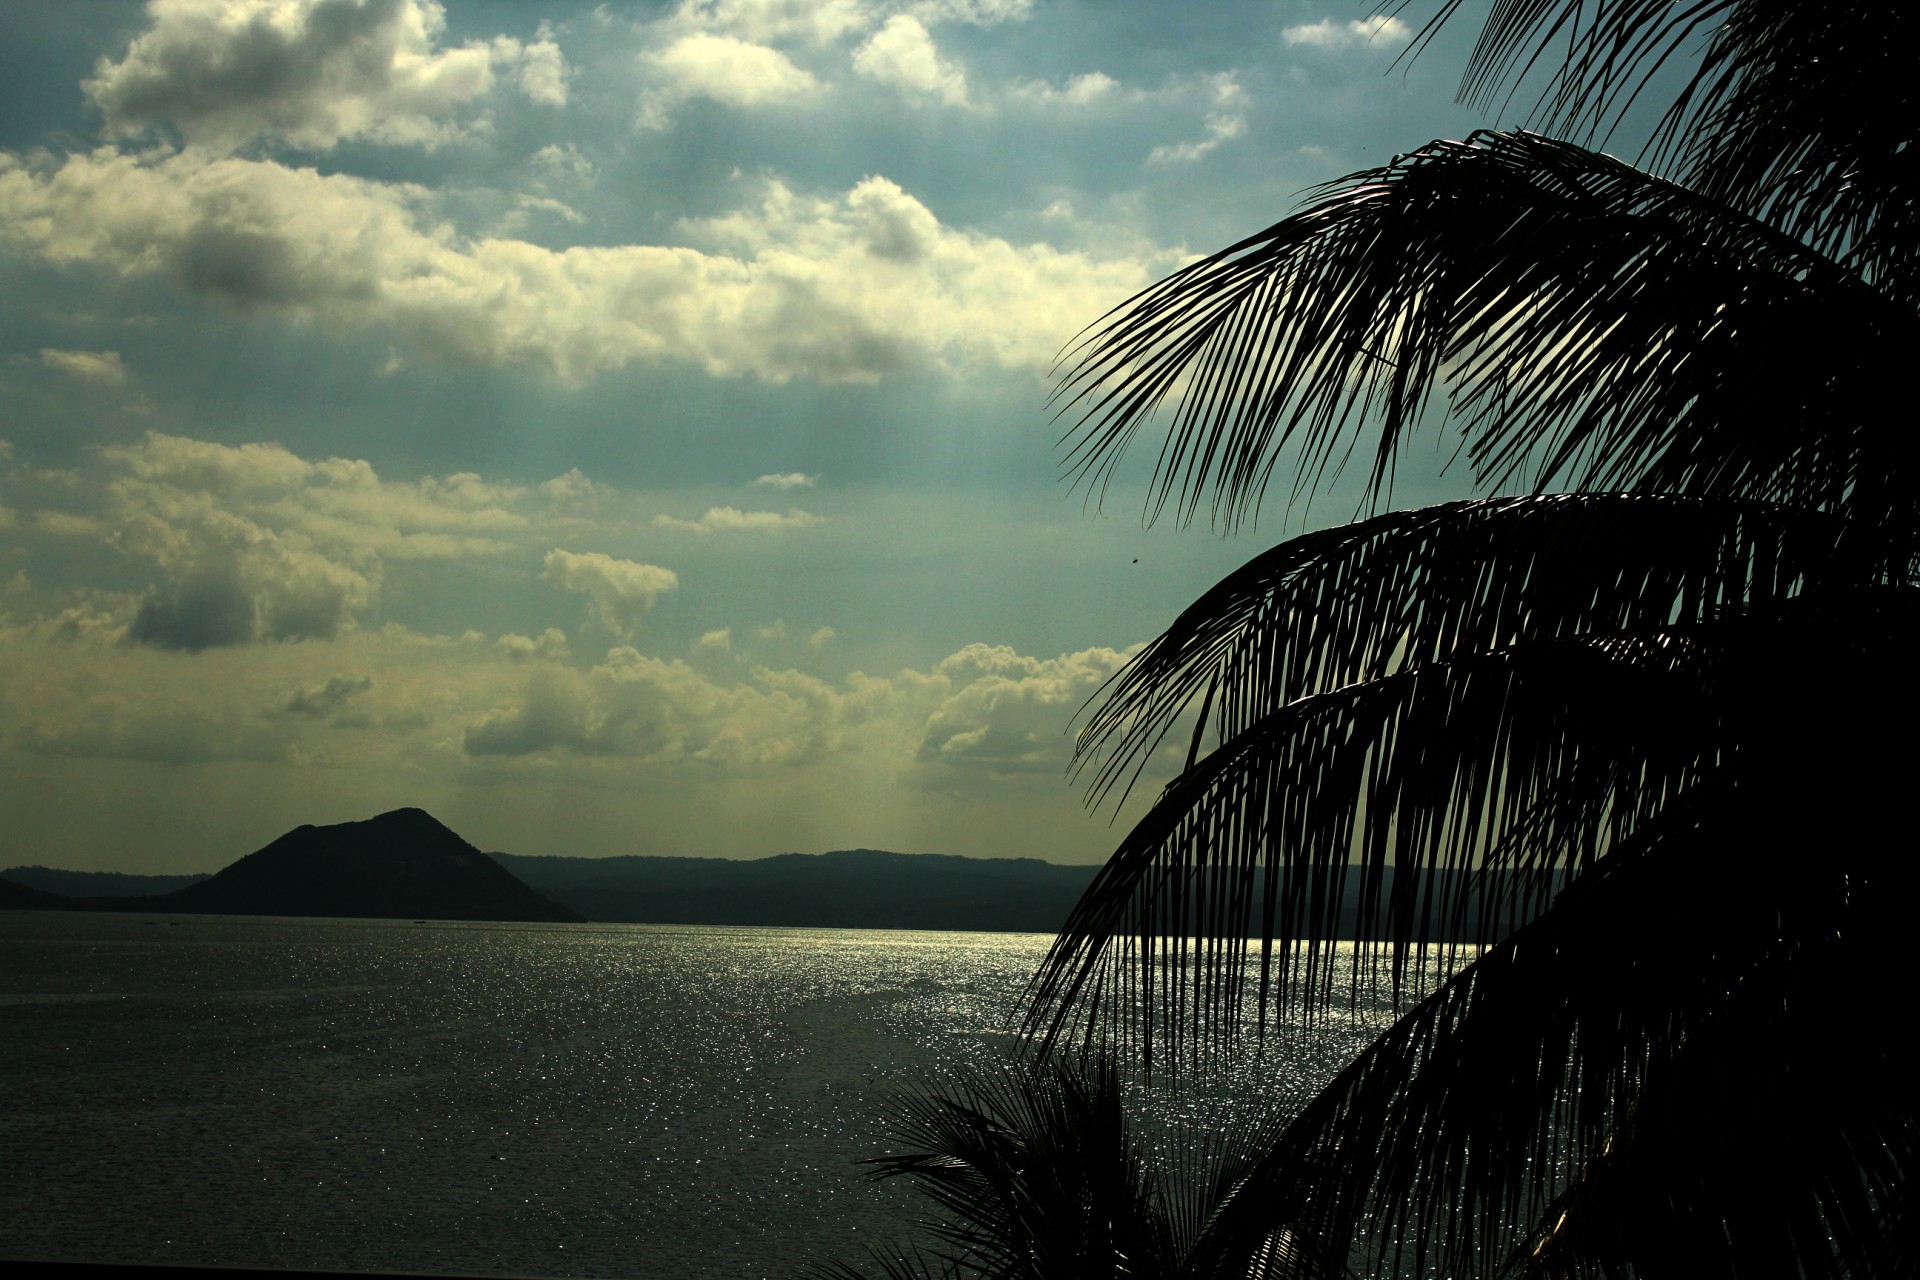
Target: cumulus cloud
(986, 710)
(264, 592)
(1225, 122)
(549, 646)
(901, 54)
(719, 640)
(846, 288)
(723, 68)
(1078, 91)
(570, 485)
(232, 578)
(563, 162)
(253, 543)
(325, 698)
(787, 480)
(384, 711)
(340, 505)
(734, 520)
(1331, 33)
(543, 69)
(1008, 711)
(310, 73)
(622, 592)
(89, 366)
(769, 21)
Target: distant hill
(866, 889)
(403, 864)
(849, 889)
(20, 897)
(97, 884)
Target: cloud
(320, 700)
(384, 713)
(236, 575)
(734, 520)
(986, 711)
(1008, 711)
(549, 646)
(767, 21)
(725, 69)
(821, 638)
(570, 485)
(1225, 122)
(88, 366)
(209, 609)
(543, 70)
(720, 640)
(980, 13)
(902, 54)
(847, 288)
(1079, 91)
(622, 592)
(257, 493)
(787, 480)
(1331, 33)
(310, 73)
(253, 543)
(563, 162)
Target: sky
(613, 428)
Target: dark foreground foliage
(1665, 687)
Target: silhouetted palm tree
(1037, 1171)
(1670, 706)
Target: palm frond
(1602, 1069)
(1588, 322)
(1049, 1170)
(1596, 57)
(1369, 599)
(1034, 1171)
(1801, 114)
(1807, 116)
(1543, 754)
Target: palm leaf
(1542, 754)
(1798, 113)
(1369, 599)
(1618, 1047)
(1806, 114)
(1588, 321)
(1043, 1170)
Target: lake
(536, 1100)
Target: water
(535, 1100)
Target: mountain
(871, 889)
(403, 864)
(96, 884)
(20, 897)
(848, 889)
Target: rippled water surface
(538, 1100)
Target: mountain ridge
(842, 888)
(401, 864)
